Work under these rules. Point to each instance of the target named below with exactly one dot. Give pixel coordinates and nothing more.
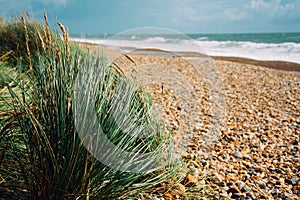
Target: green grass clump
(13, 41)
(45, 108)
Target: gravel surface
(237, 124)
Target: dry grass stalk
(67, 45)
(66, 40)
(47, 33)
(40, 40)
(57, 57)
(118, 68)
(5, 55)
(27, 45)
(62, 28)
(88, 191)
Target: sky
(187, 16)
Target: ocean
(259, 46)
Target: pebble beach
(238, 124)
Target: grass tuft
(49, 92)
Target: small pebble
(275, 192)
(238, 155)
(263, 185)
(203, 162)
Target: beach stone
(237, 154)
(203, 162)
(168, 196)
(275, 192)
(292, 181)
(263, 185)
(190, 180)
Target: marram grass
(43, 156)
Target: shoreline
(272, 64)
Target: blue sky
(187, 16)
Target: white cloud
(267, 8)
(258, 14)
(234, 14)
(258, 4)
(273, 8)
(193, 14)
(212, 10)
(55, 2)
